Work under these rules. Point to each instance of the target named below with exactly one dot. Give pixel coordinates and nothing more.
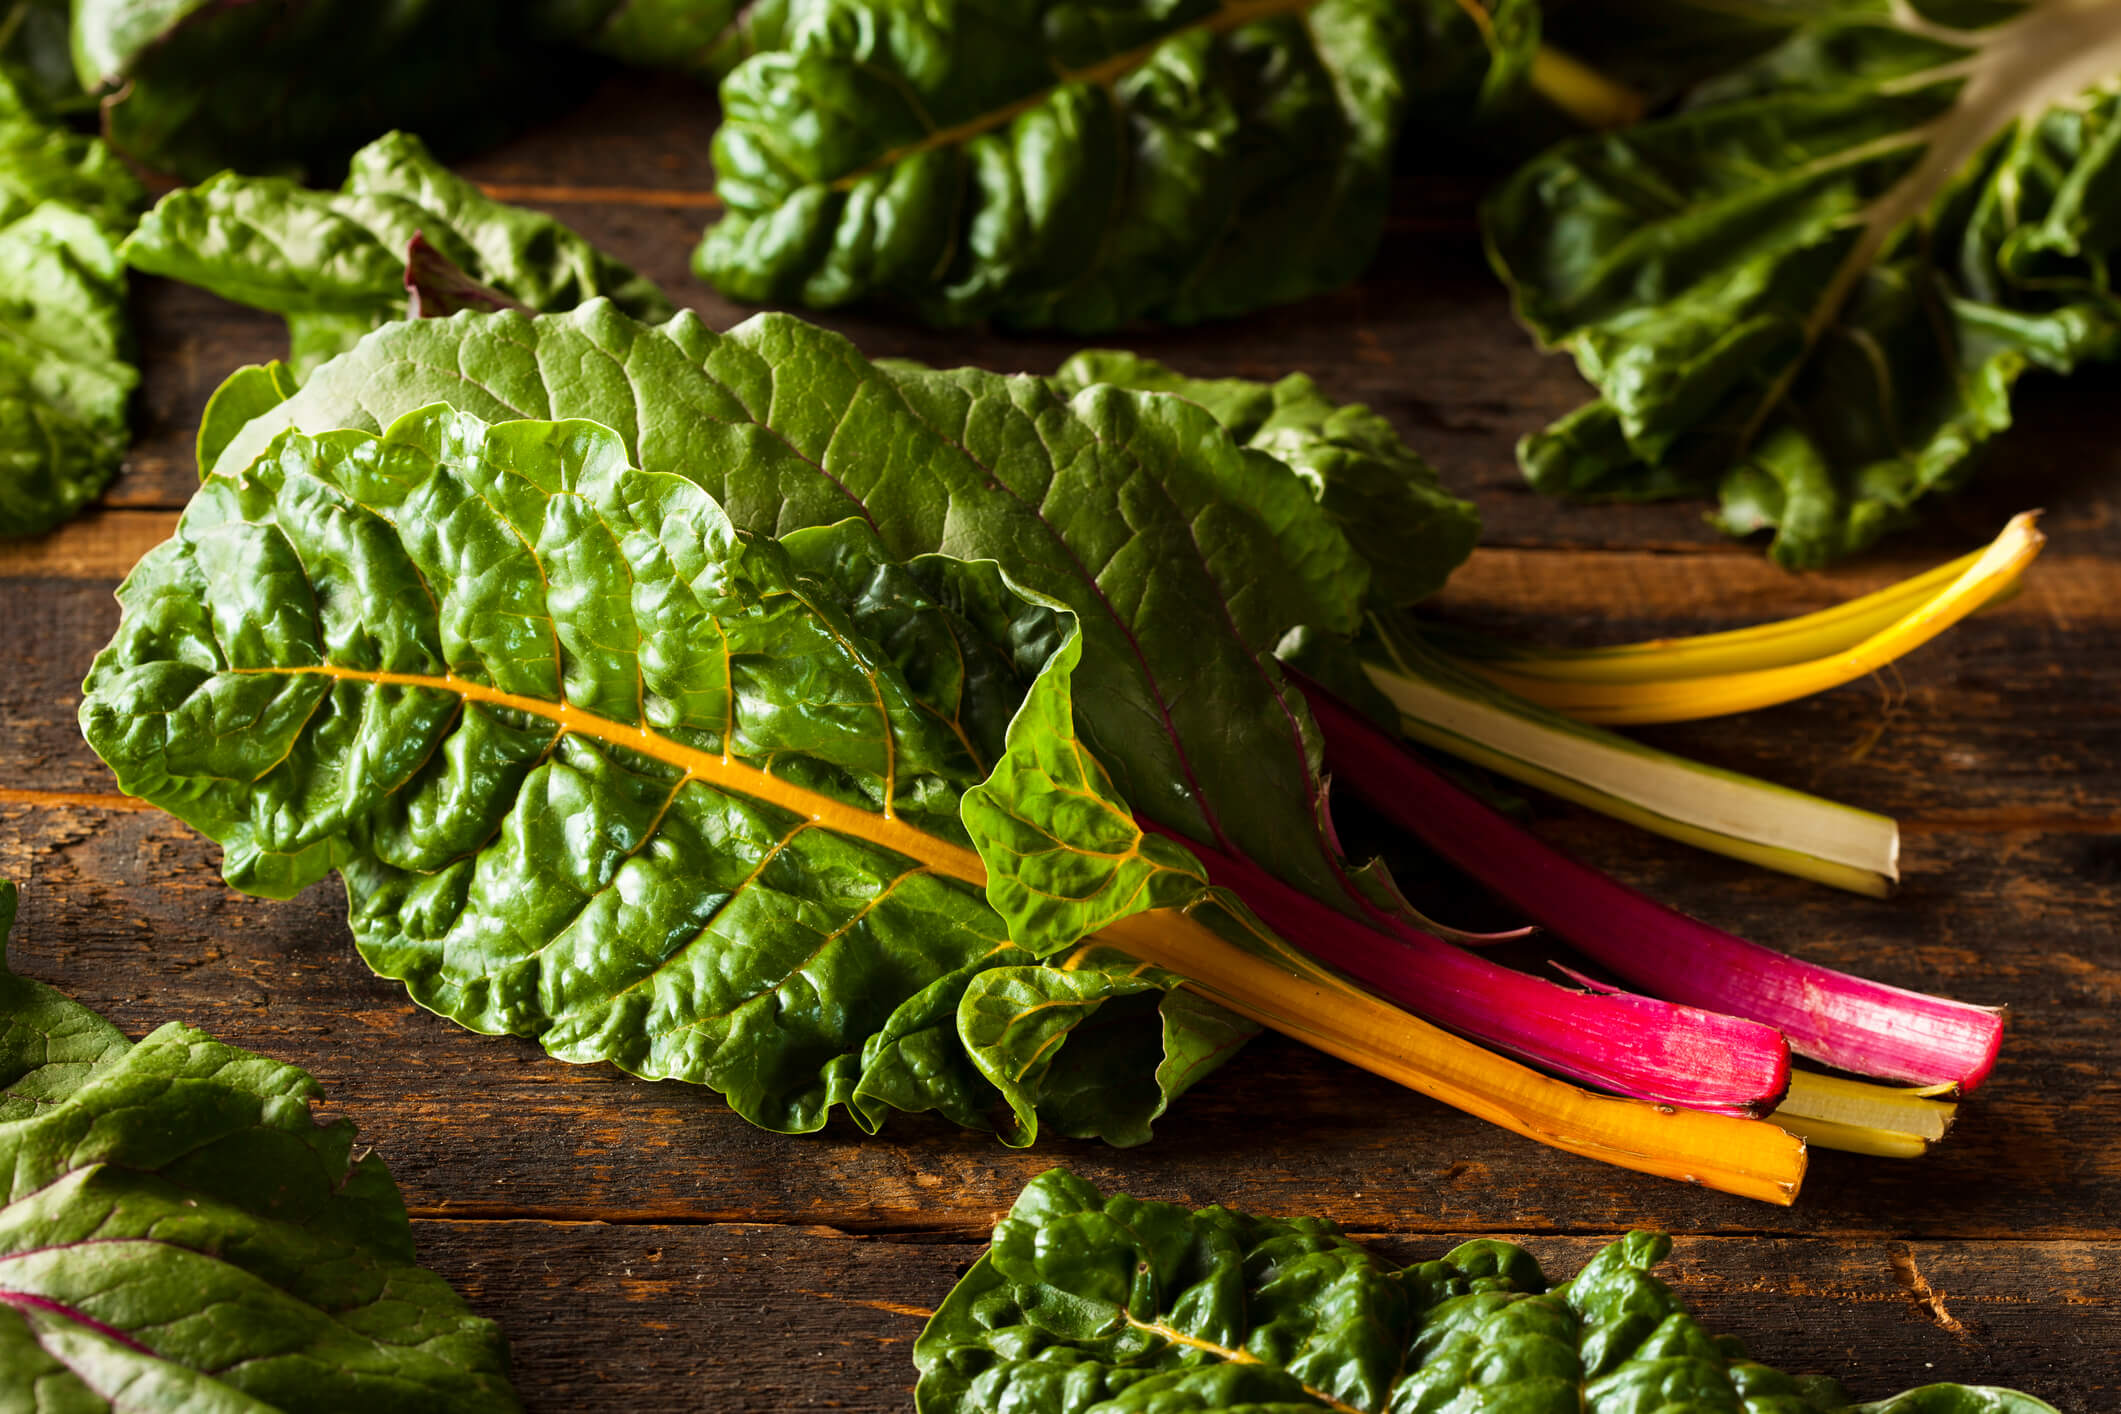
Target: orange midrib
(1235, 1357)
(1234, 14)
(720, 770)
(1298, 998)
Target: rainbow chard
(1809, 291)
(180, 1233)
(1114, 810)
(1113, 1305)
(419, 908)
(1182, 598)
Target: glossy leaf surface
(600, 769)
(66, 372)
(1075, 167)
(1810, 291)
(1383, 496)
(180, 1234)
(334, 263)
(1215, 553)
(1091, 1304)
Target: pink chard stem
(1842, 1020)
(1637, 1046)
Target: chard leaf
(66, 372)
(599, 768)
(1383, 496)
(1215, 554)
(1109, 1305)
(335, 263)
(1810, 291)
(1046, 166)
(180, 1233)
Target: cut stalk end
(1879, 1120)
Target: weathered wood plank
(127, 911)
(772, 1318)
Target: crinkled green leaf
(1093, 1305)
(355, 653)
(1056, 165)
(1810, 291)
(180, 1234)
(1217, 550)
(66, 373)
(1383, 496)
(334, 263)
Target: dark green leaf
(1382, 495)
(180, 1234)
(1810, 291)
(601, 769)
(1094, 1305)
(66, 374)
(1075, 167)
(34, 52)
(272, 85)
(334, 263)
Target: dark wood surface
(645, 1249)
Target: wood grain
(646, 1249)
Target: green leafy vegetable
(1044, 165)
(180, 1234)
(1385, 498)
(1810, 291)
(599, 769)
(1096, 1305)
(66, 372)
(334, 263)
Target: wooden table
(646, 1249)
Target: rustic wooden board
(646, 1249)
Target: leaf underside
(179, 1234)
